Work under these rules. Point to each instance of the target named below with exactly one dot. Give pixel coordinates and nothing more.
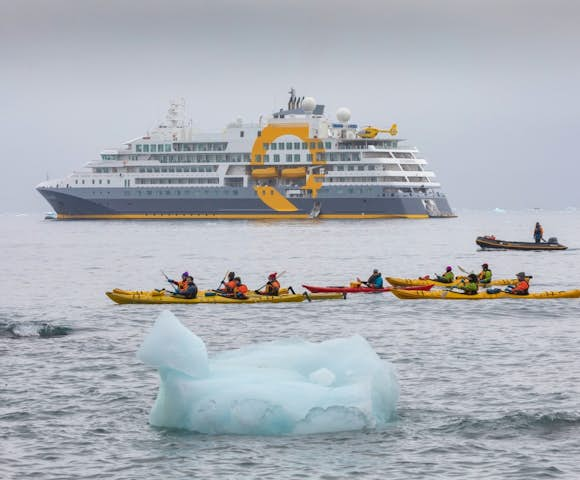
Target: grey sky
(487, 90)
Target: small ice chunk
(322, 376)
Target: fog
(488, 91)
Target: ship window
(83, 182)
(241, 133)
(276, 158)
(266, 146)
(351, 168)
(309, 157)
(296, 145)
(266, 158)
(312, 144)
(76, 181)
(288, 146)
(320, 145)
(360, 167)
(153, 148)
(167, 147)
(281, 146)
(93, 181)
(296, 157)
(274, 146)
(145, 148)
(150, 170)
(138, 148)
(304, 145)
(289, 158)
(258, 158)
(327, 145)
(100, 182)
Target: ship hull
(224, 203)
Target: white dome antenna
(308, 104)
(343, 115)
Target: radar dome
(308, 104)
(343, 114)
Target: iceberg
(285, 387)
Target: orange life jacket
(241, 290)
(521, 287)
(273, 287)
(230, 286)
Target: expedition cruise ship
(296, 164)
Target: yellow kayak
(203, 296)
(406, 282)
(483, 295)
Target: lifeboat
(268, 172)
(296, 172)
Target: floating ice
(282, 387)
(498, 210)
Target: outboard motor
(552, 240)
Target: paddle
(223, 279)
(175, 289)
(233, 297)
(452, 289)
(260, 288)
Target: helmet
(485, 265)
(185, 275)
(521, 275)
(273, 275)
(472, 276)
(448, 269)
(376, 270)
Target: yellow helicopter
(372, 132)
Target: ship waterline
(298, 165)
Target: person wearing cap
(230, 284)
(375, 280)
(182, 284)
(446, 277)
(485, 274)
(189, 290)
(469, 287)
(272, 287)
(522, 287)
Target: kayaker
(446, 277)
(181, 285)
(522, 288)
(189, 290)
(272, 287)
(470, 286)
(538, 233)
(375, 280)
(485, 274)
(240, 290)
(230, 284)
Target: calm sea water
(488, 389)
